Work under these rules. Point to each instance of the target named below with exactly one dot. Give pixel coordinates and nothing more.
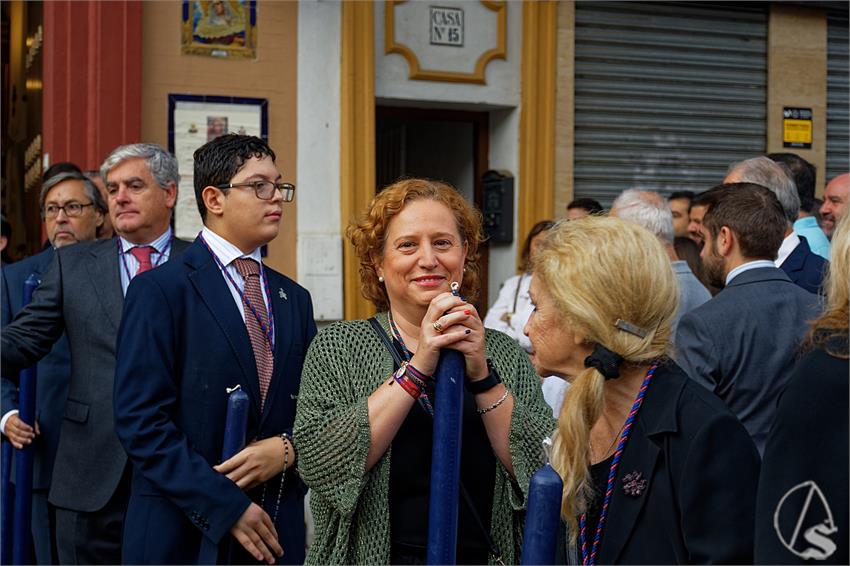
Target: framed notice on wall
(192, 122)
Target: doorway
(445, 145)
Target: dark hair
(751, 211)
(61, 167)
(218, 161)
(541, 226)
(688, 251)
(5, 227)
(805, 176)
(689, 195)
(592, 206)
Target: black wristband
(486, 384)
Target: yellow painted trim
(357, 139)
(537, 114)
(416, 72)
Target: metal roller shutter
(667, 94)
(837, 99)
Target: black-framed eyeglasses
(265, 189)
(72, 209)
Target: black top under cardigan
(701, 470)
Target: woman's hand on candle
(256, 533)
(462, 330)
(254, 464)
(454, 317)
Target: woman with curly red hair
(363, 427)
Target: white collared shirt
(227, 253)
(128, 264)
(788, 245)
(746, 267)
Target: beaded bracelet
(284, 437)
(405, 383)
(494, 405)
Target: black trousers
(95, 537)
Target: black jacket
(701, 469)
(802, 511)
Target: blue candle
(445, 459)
(236, 423)
(543, 518)
(7, 499)
(24, 457)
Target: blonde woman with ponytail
(682, 468)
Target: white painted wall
(503, 76)
(504, 155)
(319, 233)
(318, 182)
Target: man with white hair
(82, 294)
(794, 257)
(651, 211)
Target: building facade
(564, 99)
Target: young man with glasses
(73, 210)
(191, 332)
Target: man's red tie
(143, 256)
(249, 269)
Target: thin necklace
(613, 443)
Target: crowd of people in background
(686, 355)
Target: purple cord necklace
(612, 474)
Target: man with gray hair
(82, 294)
(73, 210)
(651, 211)
(795, 257)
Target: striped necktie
(252, 296)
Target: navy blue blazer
(805, 268)
(54, 370)
(182, 342)
(701, 471)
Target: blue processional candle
(7, 498)
(236, 424)
(445, 459)
(235, 433)
(24, 457)
(543, 518)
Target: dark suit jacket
(80, 294)
(53, 371)
(806, 457)
(181, 344)
(743, 343)
(805, 268)
(701, 471)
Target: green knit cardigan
(346, 363)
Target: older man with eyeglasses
(73, 210)
(82, 294)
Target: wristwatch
(486, 384)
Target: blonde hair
(598, 270)
(834, 321)
(368, 234)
